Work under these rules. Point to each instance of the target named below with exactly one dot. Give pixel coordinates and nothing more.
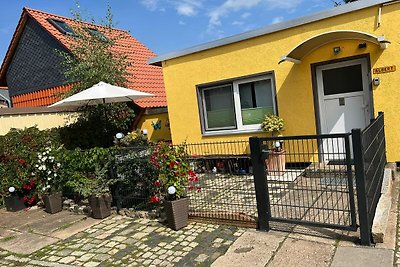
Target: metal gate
(305, 180)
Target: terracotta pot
(177, 212)
(14, 203)
(53, 202)
(101, 206)
(275, 163)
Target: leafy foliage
(93, 57)
(17, 159)
(273, 124)
(174, 170)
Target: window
(239, 105)
(97, 33)
(62, 26)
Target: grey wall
(35, 64)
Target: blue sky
(169, 25)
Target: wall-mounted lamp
(336, 50)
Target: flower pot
(14, 203)
(101, 206)
(177, 212)
(275, 163)
(53, 202)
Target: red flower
(172, 164)
(154, 199)
(25, 198)
(195, 179)
(32, 182)
(191, 188)
(21, 161)
(157, 183)
(26, 187)
(191, 173)
(198, 189)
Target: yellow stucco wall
(293, 82)
(155, 135)
(41, 120)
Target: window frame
(234, 84)
(59, 28)
(98, 34)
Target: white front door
(344, 101)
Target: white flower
(44, 189)
(49, 172)
(33, 174)
(11, 189)
(55, 175)
(37, 166)
(48, 186)
(49, 179)
(44, 159)
(44, 167)
(39, 156)
(40, 168)
(58, 164)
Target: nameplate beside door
(385, 69)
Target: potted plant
(276, 159)
(175, 177)
(91, 179)
(13, 201)
(47, 170)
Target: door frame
(316, 94)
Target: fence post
(260, 183)
(365, 229)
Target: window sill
(232, 132)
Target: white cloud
(188, 8)
(228, 6)
(237, 23)
(245, 15)
(283, 4)
(151, 5)
(277, 20)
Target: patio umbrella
(101, 93)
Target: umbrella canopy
(101, 93)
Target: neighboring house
(32, 72)
(4, 98)
(324, 73)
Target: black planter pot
(14, 203)
(101, 206)
(53, 202)
(177, 212)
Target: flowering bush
(175, 172)
(273, 124)
(47, 169)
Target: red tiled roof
(143, 77)
(40, 98)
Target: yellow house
(325, 73)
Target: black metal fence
(305, 180)
(370, 159)
(227, 186)
(135, 175)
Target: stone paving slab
(26, 243)
(362, 257)
(298, 253)
(251, 249)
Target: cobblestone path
(121, 241)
